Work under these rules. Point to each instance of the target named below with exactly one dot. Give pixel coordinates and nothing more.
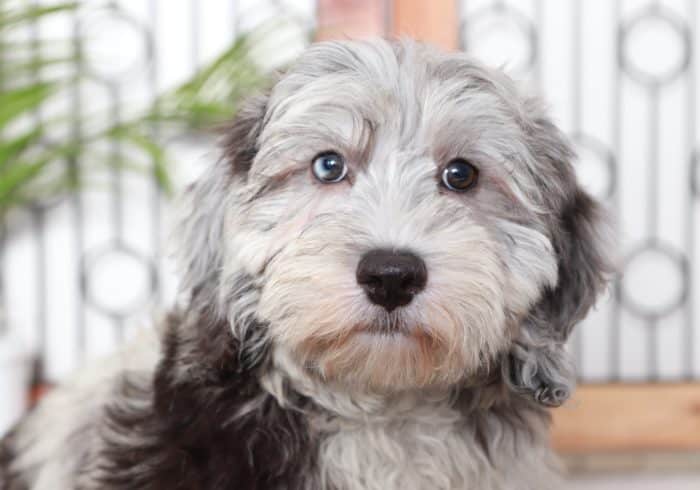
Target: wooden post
(435, 21)
(352, 19)
(629, 418)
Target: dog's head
(407, 218)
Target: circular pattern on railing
(654, 30)
(596, 168)
(117, 280)
(109, 61)
(48, 189)
(695, 173)
(502, 36)
(655, 280)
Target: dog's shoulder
(202, 421)
(179, 410)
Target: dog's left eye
(329, 167)
(459, 175)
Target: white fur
(62, 431)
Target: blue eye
(329, 167)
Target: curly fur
(274, 373)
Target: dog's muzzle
(391, 278)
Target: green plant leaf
(132, 135)
(212, 94)
(16, 48)
(28, 172)
(19, 101)
(24, 67)
(12, 148)
(10, 18)
(18, 175)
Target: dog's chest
(432, 450)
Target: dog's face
(405, 214)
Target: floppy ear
(200, 234)
(538, 364)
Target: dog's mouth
(387, 324)
(384, 350)
(397, 331)
(384, 328)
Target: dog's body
(269, 436)
(390, 323)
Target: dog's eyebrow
(270, 182)
(358, 147)
(326, 125)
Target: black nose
(391, 278)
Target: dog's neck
(286, 380)
(284, 375)
(442, 429)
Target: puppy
(380, 274)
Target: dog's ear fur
(240, 142)
(200, 234)
(538, 363)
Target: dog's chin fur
(277, 372)
(384, 362)
(376, 359)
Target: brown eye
(459, 175)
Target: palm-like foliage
(23, 156)
(208, 98)
(32, 167)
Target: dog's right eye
(329, 167)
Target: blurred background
(107, 110)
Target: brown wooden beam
(352, 19)
(629, 418)
(432, 21)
